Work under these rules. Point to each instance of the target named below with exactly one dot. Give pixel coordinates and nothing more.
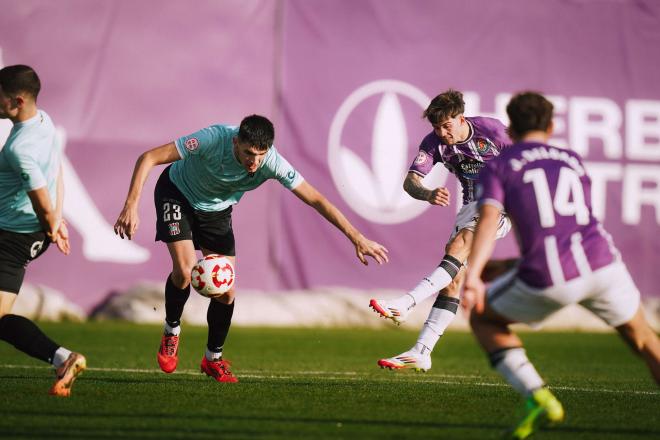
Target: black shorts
(16, 251)
(176, 220)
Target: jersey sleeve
(425, 160)
(200, 141)
(25, 165)
(283, 171)
(490, 190)
(501, 135)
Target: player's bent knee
(226, 298)
(181, 277)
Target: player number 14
(569, 196)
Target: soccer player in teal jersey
(211, 170)
(31, 195)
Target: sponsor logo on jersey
(191, 144)
(469, 169)
(291, 175)
(174, 228)
(25, 176)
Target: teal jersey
(210, 176)
(29, 160)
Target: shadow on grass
(251, 428)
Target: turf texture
(319, 384)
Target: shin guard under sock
(175, 300)
(218, 317)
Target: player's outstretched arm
(128, 220)
(363, 246)
(474, 290)
(415, 188)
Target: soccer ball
(213, 275)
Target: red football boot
(219, 370)
(167, 353)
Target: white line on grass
(352, 376)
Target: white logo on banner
(375, 190)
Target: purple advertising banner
(122, 77)
(357, 76)
(346, 83)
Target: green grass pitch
(319, 384)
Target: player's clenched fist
(439, 196)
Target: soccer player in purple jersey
(463, 145)
(566, 258)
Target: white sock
(434, 327)
(431, 285)
(212, 355)
(172, 330)
(516, 369)
(60, 356)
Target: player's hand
(128, 222)
(439, 196)
(62, 238)
(377, 251)
(474, 293)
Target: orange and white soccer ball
(213, 275)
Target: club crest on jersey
(421, 158)
(483, 146)
(191, 144)
(174, 228)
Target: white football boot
(396, 309)
(410, 359)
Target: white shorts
(467, 219)
(610, 293)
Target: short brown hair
(444, 106)
(529, 111)
(20, 78)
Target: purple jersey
(487, 138)
(547, 194)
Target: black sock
(27, 337)
(219, 318)
(175, 299)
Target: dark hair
(529, 111)
(444, 106)
(19, 78)
(256, 131)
